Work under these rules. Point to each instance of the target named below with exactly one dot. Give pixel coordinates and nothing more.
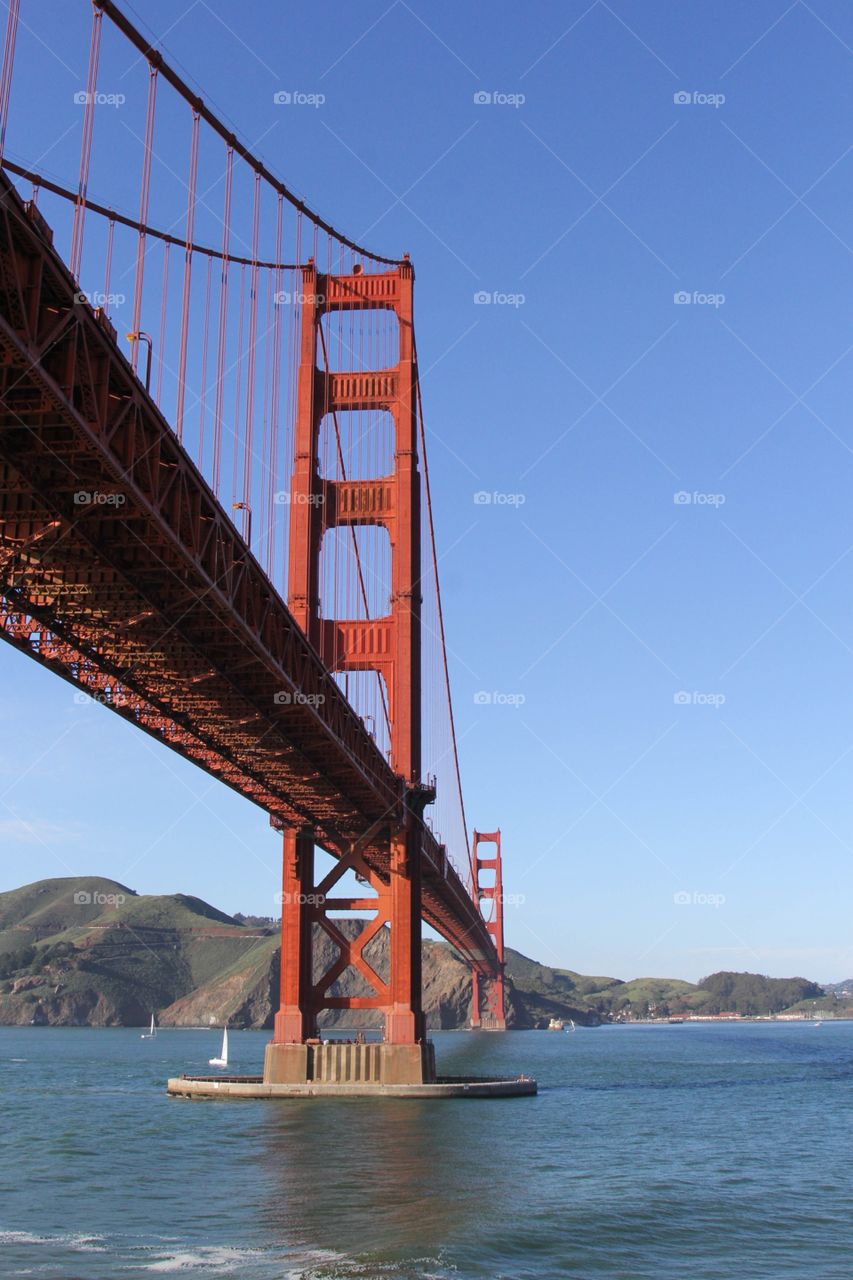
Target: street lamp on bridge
(146, 338)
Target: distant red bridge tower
(492, 1016)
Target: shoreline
(710, 1020)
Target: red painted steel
(390, 646)
(493, 1016)
(151, 602)
(122, 572)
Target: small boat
(151, 1033)
(556, 1024)
(222, 1060)
(571, 1026)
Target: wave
(78, 1243)
(328, 1266)
(207, 1257)
(313, 1264)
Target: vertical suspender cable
(86, 146)
(205, 342)
(6, 72)
(188, 261)
(297, 278)
(265, 542)
(144, 194)
(239, 382)
(278, 311)
(223, 323)
(161, 341)
(253, 330)
(108, 265)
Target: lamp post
(146, 338)
(244, 506)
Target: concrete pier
(343, 1063)
(254, 1087)
(349, 1069)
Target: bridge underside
(120, 572)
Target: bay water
(712, 1152)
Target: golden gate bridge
(216, 519)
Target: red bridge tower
(389, 646)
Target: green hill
(752, 993)
(647, 995)
(541, 992)
(50, 906)
(90, 951)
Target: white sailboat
(151, 1033)
(222, 1060)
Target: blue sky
(659, 588)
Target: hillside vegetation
(90, 951)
